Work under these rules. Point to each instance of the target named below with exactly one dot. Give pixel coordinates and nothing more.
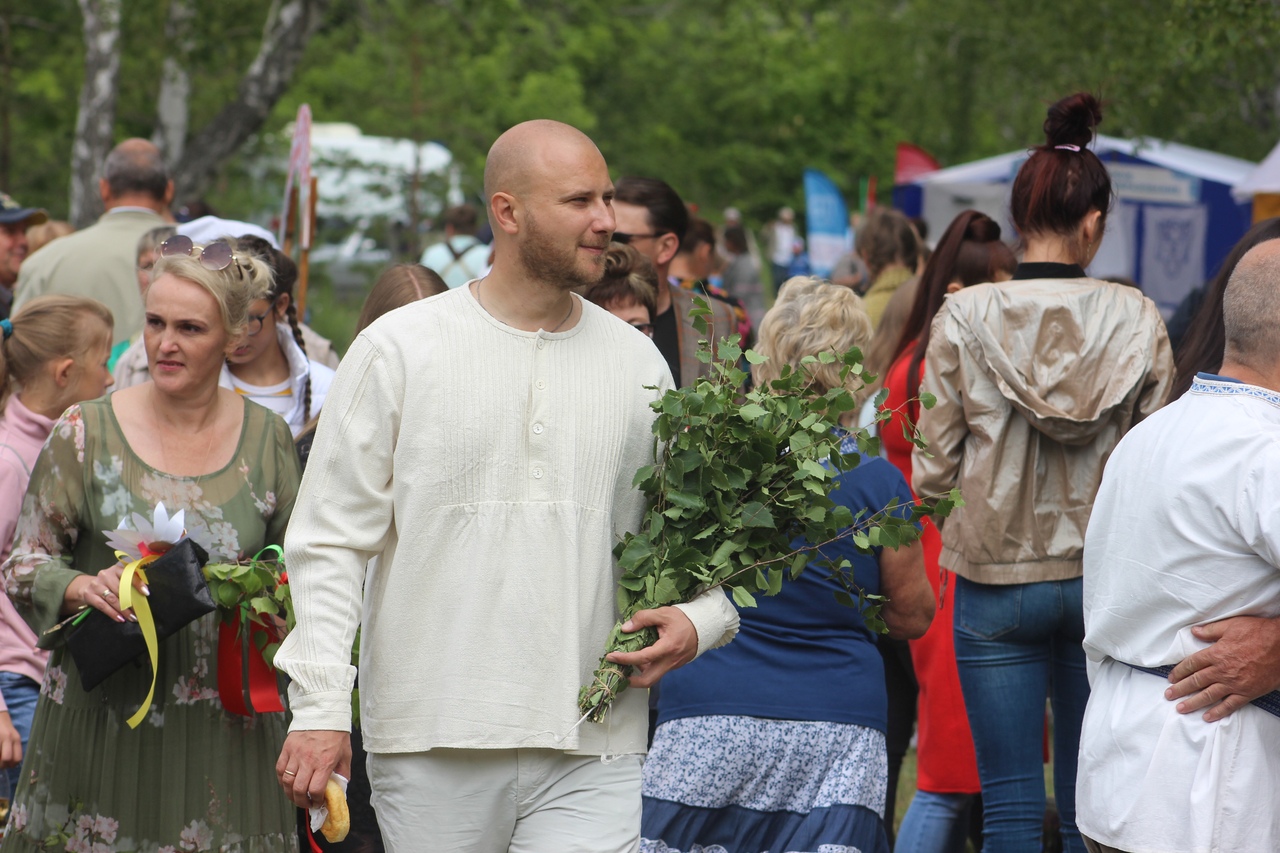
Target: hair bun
(982, 229)
(1072, 120)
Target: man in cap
(14, 222)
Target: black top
(1048, 269)
(666, 336)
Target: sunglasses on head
(215, 256)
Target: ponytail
(970, 252)
(48, 328)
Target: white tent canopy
(1263, 179)
(1197, 162)
(360, 176)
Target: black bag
(179, 595)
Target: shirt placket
(537, 432)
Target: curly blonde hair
(812, 317)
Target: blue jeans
(1016, 644)
(935, 823)
(20, 694)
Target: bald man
(482, 444)
(98, 261)
(1183, 549)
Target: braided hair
(286, 275)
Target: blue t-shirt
(800, 655)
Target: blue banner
(827, 218)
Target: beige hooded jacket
(1036, 381)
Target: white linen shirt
(1185, 531)
(490, 470)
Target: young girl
(53, 354)
(271, 366)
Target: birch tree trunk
(290, 23)
(172, 113)
(97, 113)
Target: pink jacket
(22, 434)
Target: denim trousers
(935, 823)
(1015, 645)
(21, 695)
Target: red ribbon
(264, 692)
(315, 848)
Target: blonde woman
(191, 776)
(776, 741)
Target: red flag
(913, 161)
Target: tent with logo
(1173, 222)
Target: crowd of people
(448, 496)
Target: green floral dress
(191, 776)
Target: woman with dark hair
(1036, 380)
(970, 252)
(1201, 348)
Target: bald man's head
(1251, 309)
(136, 168)
(525, 152)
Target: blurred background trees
(728, 101)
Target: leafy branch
(739, 495)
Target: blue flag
(827, 218)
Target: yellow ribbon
(142, 610)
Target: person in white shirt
(482, 445)
(461, 256)
(1185, 531)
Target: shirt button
(537, 473)
(541, 344)
(537, 429)
(540, 385)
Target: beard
(550, 264)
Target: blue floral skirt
(749, 785)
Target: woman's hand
(101, 591)
(10, 743)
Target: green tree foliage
(728, 101)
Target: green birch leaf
(742, 598)
(756, 514)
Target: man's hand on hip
(307, 760)
(677, 645)
(1242, 664)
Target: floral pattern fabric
(190, 777)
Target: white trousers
(506, 801)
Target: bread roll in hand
(338, 823)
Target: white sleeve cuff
(714, 618)
(319, 711)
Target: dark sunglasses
(645, 328)
(215, 256)
(625, 238)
